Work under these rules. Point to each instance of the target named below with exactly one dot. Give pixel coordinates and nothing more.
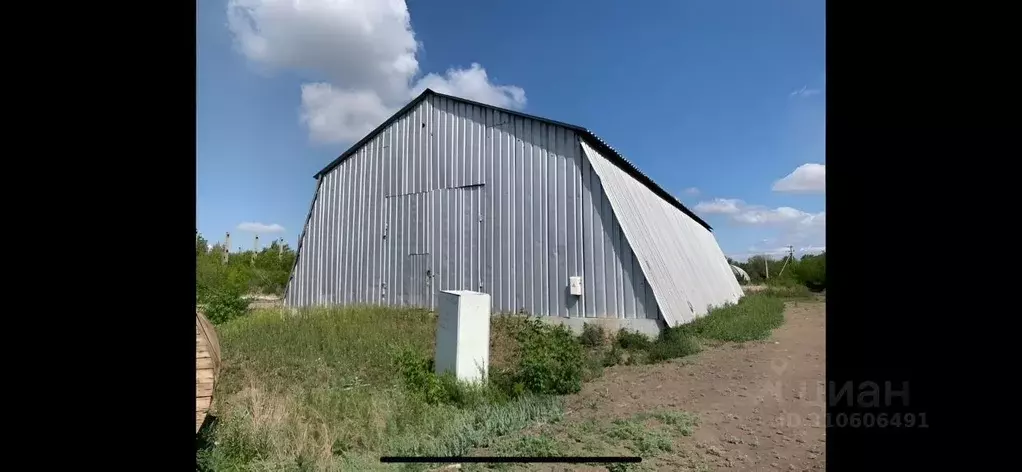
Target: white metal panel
(681, 260)
(463, 334)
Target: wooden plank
(209, 332)
(207, 364)
(204, 390)
(204, 374)
(199, 418)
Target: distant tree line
(810, 270)
(221, 288)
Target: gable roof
(587, 135)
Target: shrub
(672, 344)
(595, 361)
(550, 359)
(633, 340)
(266, 271)
(787, 291)
(812, 271)
(223, 305)
(614, 356)
(417, 373)
(752, 318)
(809, 271)
(592, 335)
(418, 376)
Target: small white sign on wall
(575, 285)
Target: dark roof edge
(590, 138)
(301, 240)
(372, 134)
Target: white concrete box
(463, 334)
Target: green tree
(222, 287)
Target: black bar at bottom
(482, 459)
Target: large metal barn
(450, 194)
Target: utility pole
(791, 256)
(227, 247)
(255, 249)
(280, 249)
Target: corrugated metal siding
(681, 260)
(420, 183)
(613, 284)
(443, 227)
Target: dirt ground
(759, 405)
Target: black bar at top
(483, 459)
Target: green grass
(648, 435)
(787, 289)
(325, 390)
(754, 317)
(336, 389)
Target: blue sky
(722, 103)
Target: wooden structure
(207, 367)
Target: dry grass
(322, 391)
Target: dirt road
(758, 406)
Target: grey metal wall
(484, 201)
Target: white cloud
(744, 213)
(692, 191)
(806, 178)
(261, 228)
(473, 84)
(755, 215)
(340, 115)
(721, 206)
(803, 230)
(363, 54)
(804, 92)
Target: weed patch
(531, 446)
(647, 435)
(752, 318)
(633, 348)
(547, 358)
(784, 289)
(671, 344)
(593, 335)
(336, 389)
(633, 340)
